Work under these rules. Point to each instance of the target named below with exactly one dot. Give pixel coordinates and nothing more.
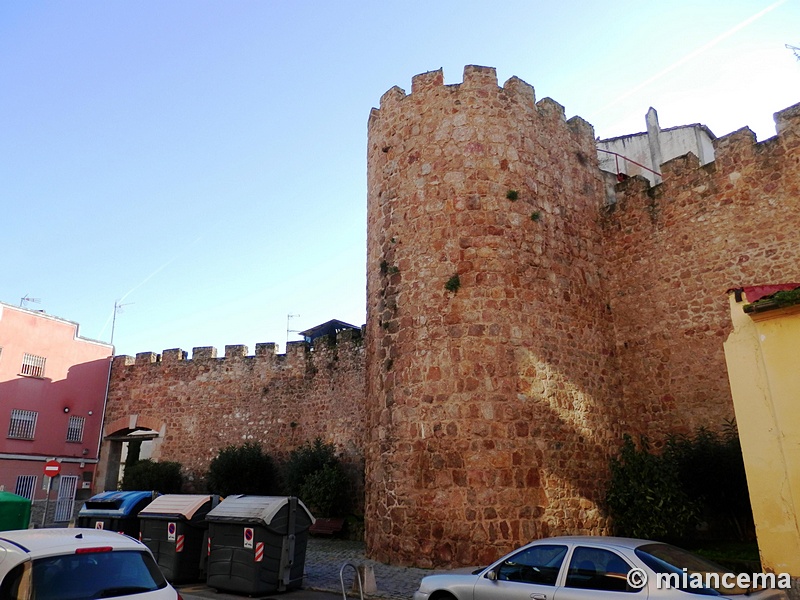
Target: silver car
(78, 564)
(593, 568)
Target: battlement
(741, 163)
(479, 86)
(481, 79)
(296, 352)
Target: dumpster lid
(253, 509)
(115, 503)
(182, 505)
(9, 498)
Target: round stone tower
(491, 385)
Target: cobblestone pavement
(324, 559)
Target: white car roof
(19, 545)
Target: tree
(645, 496)
(143, 475)
(315, 474)
(245, 469)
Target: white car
(592, 568)
(78, 564)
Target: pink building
(52, 396)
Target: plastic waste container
(115, 511)
(15, 512)
(257, 544)
(174, 527)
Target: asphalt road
(203, 592)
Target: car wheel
(442, 596)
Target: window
(33, 365)
(23, 424)
(75, 429)
(596, 569)
(26, 486)
(537, 564)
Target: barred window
(75, 429)
(26, 486)
(23, 424)
(33, 365)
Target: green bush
(242, 469)
(315, 474)
(695, 489)
(143, 475)
(645, 497)
(711, 470)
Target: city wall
(520, 320)
(675, 249)
(200, 405)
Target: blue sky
(203, 164)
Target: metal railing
(617, 156)
(358, 578)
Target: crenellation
(173, 355)
(146, 358)
(787, 123)
(583, 129)
(733, 149)
(235, 351)
(426, 81)
(521, 91)
(123, 360)
(266, 349)
(204, 353)
(551, 109)
(392, 97)
(679, 166)
(476, 76)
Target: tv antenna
(288, 330)
(794, 49)
(25, 300)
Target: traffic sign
(52, 468)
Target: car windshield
(685, 571)
(86, 576)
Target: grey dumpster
(257, 544)
(115, 511)
(174, 527)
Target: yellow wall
(763, 357)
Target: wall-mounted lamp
(66, 409)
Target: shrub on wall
(711, 470)
(696, 488)
(245, 469)
(143, 475)
(645, 497)
(315, 474)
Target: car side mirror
(492, 575)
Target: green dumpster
(15, 512)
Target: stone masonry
(523, 313)
(494, 406)
(202, 405)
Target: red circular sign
(52, 468)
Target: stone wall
(202, 405)
(675, 249)
(483, 408)
(492, 407)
